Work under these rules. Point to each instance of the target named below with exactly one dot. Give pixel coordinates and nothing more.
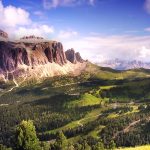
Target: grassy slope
(46, 89)
(84, 100)
(91, 116)
(145, 147)
(108, 73)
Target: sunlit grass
(146, 147)
(96, 131)
(91, 116)
(107, 87)
(112, 115)
(84, 100)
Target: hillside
(108, 73)
(35, 58)
(147, 147)
(60, 91)
(96, 104)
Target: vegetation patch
(84, 100)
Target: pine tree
(112, 145)
(98, 146)
(26, 138)
(2, 147)
(61, 141)
(45, 146)
(85, 145)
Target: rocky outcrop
(73, 57)
(3, 34)
(79, 58)
(31, 37)
(14, 54)
(40, 59)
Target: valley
(93, 107)
(74, 75)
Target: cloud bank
(65, 3)
(67, 34)
(12, 16)
(96, 48)
(100, 48)
(17, 22)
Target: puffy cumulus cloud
(65, 3)
(37, 30)
(147, 5)
(144, 53)
(67, 34)
(17, 23)
(99, 48)
(12, 16)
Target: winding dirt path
(16, 85)
(130, 125)
(125, 130)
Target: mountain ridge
(35, 57)
(119, 64)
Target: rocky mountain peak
(79, 58)
(31, 37)
(73, 57)
(19, 59)
(31, 54)
(3, 34)
(36, 57)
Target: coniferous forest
(93, 114)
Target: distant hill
(97, 72)
(124, 64)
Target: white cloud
(147, 5)
(144, 52)
(17, 23)
(98, 48)
(37, 30)
(12, 16)
(65, 3)
(67, 34)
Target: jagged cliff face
(14, 54)
(79, 58)
(3, 36)
(41, 59)
(73, 57)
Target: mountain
(124, 64)
(34, 57)
(73, 57)
(3, 35)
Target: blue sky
(98, 29)
(103, 16)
